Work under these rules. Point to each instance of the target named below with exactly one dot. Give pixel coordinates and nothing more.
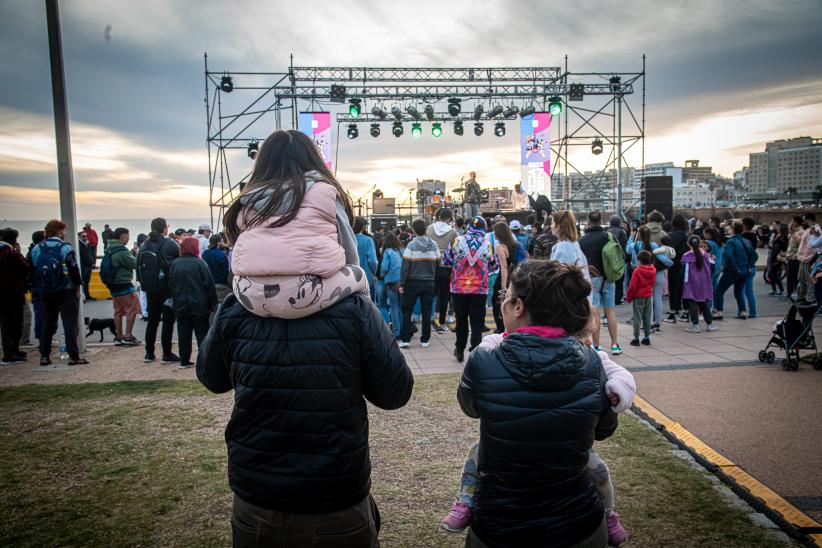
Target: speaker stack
(659, 195)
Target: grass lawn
(144, 463)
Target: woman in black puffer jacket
(540, 397)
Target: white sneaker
(404, 344)
(425, 344)
(712, 327)
(451, 319)
(693, 329)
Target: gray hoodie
(419, 262)
(442, 234)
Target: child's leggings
(596, 467)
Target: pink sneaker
(616, 532)
(458, 518)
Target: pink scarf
(545, 331)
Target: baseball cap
(206, 226)
(180, 232)
(516, 225)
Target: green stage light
(416, 130)
(436, 130)
(354, 107)
(554, 106)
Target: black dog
(95, 324)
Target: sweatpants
(469, 309)
(63, 304)
(185, 326)
(156, 313)
(642, 315)
(11, 323)
(695, 308)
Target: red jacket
(642, 283)
(93, 238)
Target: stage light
(337, 93)
(253, 147)
(413, 112)
(226, 84)
(429, 112)
(416, 129)
(354, 107)
(397, 128)
(458, 129)
(478, 129)
(454, 106)
(436, 130)
(527, 111)
(496, 111)
(576, 92)
(510, 111)
(478, 112)
(377, 194)
(596, 146)
(353, 132)
(375, 130)
(499, 129)
(379, 113)
(615, 83)
(554, 106)
(396, 113)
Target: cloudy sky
(724, 77)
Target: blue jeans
(471, 211)
(394, 309)
(726, 280)
(382, 300)
(749, 293)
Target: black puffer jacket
(541, 403)
(192, 287)
(298, 434)
(679, 241)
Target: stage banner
(535, 153)
(317, 125)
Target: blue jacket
(217, 262)
(368, 256)
(67, 255)
(391, 266)
(740, 256)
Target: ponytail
(693, 243)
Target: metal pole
(619, 156)
(65, 177)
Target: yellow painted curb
(772, 500)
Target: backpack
(50, 271)
(151, 269)
(613, 259)
(108, 272)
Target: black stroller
(793, 334)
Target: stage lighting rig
(478, 129)
(226, 84)
(397, 128)
(616, 86)
(396, 113)
(576, 92)
(499, 129)
(377, 194)
(354, 107)
(554, 106)
(379, 113)
(478, 112)
(510, 111)
(337, 93)
(458, 129)
(429, 112)
(436, 130)
(412, 111)
(454, 106)
(375, 130)
(416, 129)
(353, 132)
(494, 112)
(596, 146)
(253, 147)
(527, 111)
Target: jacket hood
(424, 243)
(646, 272)
(543, 363)
(114, 244)
(258, 199)
(441, 228)
(689, 257)
(190, 246)
(655, 228)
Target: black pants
(497, 305)
(86, 281)
(424, 291)
(442, 289)
(619, 294)
(469, 309)
(185, 326)
(66, 305)
(793, 276)
(11, 323)
(157, 312)
(775, 274)
(676, 277)
(694, 309)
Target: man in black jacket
(603, 292)
(298, 436)
(676, 274)
(87, 262)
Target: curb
(790, 519)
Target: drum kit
(438, 201)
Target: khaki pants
(353, 527)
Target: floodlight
(478, 112)
(454, 106)
(496, 111)
(576, 92)
(226, 84)
(596, 146)
(499, 129)
(397, 128)
(375, 130)
(413, 112)
(353, 132)
(396, 113)
(510, 111)
(478, 129)
(527, 111)
(354, 107)
(253, 147)
(554, 106)
(379, 113)
(337, 93)
(416, 129)
(458, 129)
(615, 83)
(429, 112)
(436, 130)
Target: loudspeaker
(659, 195)
(382, 221)
(383, 206)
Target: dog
(97, 324)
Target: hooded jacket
(473, 259)
(124, 264)
(541, 403)
(419, 260)
(189, 280)
(442, 234)
(697, 285)
(642, 283)
(592, 242)
(656, 232)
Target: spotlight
(576, 92)
(396, 113)
(527, 111)
(379, 113)
(226, 84)
(458, 130)
(499, 129)
(416, 129)
(354, 107)
(596, 146)
(496, 111)
(397, 128)
(337, 93)
(253, 147)
(429, 113)
(454, 107)
(554, 106)
(375, 130)
(436, 130)
(615, 83)
(478, 112)
(413, 112)
(478, 129)
(353, 132)
(510, 111)
(377, 194)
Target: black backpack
(151, 269)
(50, 271)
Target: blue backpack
(50, 272)
(107, 270)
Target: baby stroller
(793, 334)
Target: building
(786, 163)
(693, 172)
(698, 195)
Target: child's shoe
(646, 341)
(460, 516)
(635, 342)
(616, 532)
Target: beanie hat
(190, 246)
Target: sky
(723, 78)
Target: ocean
(134, 226)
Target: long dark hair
(644, 236)
(281, 164)
(693, 243)
(503, 234)
(554, 294)
(391, 242)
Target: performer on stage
(519, 198)
(472, 197)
